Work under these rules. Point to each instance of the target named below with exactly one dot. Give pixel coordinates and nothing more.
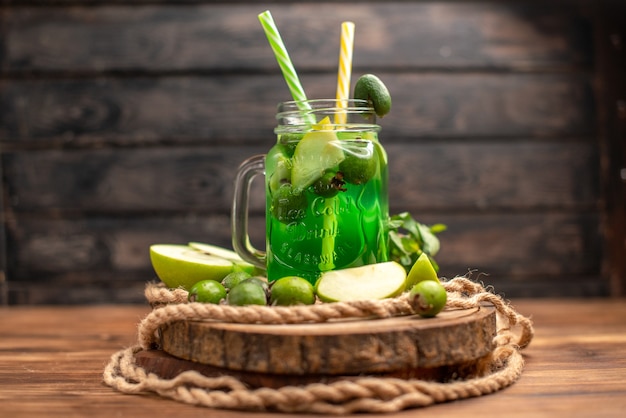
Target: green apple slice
(230, 255)
(373, 281)
(182, 266)
(316, 152)
(422, 270)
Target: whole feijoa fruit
(207, 291)
(428, 298)
(248, 292)
(233, 279)
(292, 290)
(371, 88)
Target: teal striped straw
(284, 62)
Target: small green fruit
(371, 88)
(261, 281)
(207, 291)
(292, 290)
(233, 279)
(248, 292)
(428, 298)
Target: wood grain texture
(121, 123)
(53, 359)
(106, 258)
(4, 285)
(208, 36)
(239, 109)
(612, 118)
(168, 367)
(389, 345)
(445, 175)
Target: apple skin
(182, 266)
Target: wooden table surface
(52, 359)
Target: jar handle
(246, 172)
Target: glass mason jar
(327, 204)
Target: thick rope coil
(356, 394)
(255, 314)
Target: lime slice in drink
(316, 152)
(373, 281)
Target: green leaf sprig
(408, 239)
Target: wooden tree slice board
(407, 346)
(167, 366)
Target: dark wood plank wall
(121, 124)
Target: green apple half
(184, 266)
(214, 250)
(373, 281)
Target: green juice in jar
(334, 219)
(325, 188)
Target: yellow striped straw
(345, 69)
